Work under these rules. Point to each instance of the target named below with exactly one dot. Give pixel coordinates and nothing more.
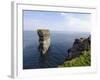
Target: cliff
(79, 45)
(44, 40)
(83, 60)
(79, 54)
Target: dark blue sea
(57, 53)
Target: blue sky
(56, 21)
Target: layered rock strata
(44, 40)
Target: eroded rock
(79, 45)
(44, 40)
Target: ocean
(60, 42)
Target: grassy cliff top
(82, 60)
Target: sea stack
(44, 40)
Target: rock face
(44, 40)
(79, 45)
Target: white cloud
(69, 23)
(33, 24)
(77, 24)
(74, 23)
(63, 14)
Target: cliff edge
(79, 45)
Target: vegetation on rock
(83, 60)
(79, 54)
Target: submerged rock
(44, 40)
(79, 45)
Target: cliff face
(44, 40)
(79, 45)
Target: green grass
(82, 60)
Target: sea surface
(60, 42)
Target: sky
(56, 21)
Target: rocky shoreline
(79, 45)
(79, 54)
(78, 48)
